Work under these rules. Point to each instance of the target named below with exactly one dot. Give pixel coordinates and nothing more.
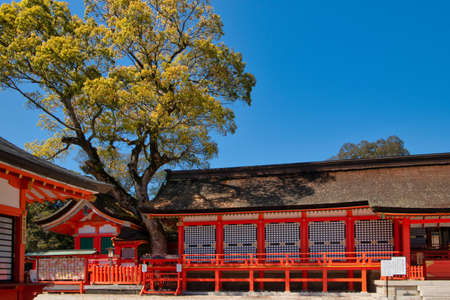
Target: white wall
(9, 196)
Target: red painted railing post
(325, 280)
(287, 281)
(251, 282)
(364, 280)
(216, 280)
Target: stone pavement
(213, 296)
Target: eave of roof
(410, 210)
(60, 212)
(17, 157)
(151, 211)
(69, 252)
(72, 208)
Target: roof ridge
(329, 164)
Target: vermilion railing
(256, 264)
(415, 273)
(105, 274)
(412, 273)
(255, 259)
(161, 280)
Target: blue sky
(328, 72)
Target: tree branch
(13, 86)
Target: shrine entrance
(430, 248)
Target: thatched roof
(13, 155)
(413, 182)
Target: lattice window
(282, 238)
(6, 248)
(328, 237)
(200, 240)
(239, 238)
(374, 235)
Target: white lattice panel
(373, 235)
(327, 236)
(200, 240)
(239, 238)
(282, 238)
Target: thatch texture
(418, 181)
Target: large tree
(392, 146)
(134, 85)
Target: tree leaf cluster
(392, 146)
(39, 239)
(133, 84)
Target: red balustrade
(105, 274)
(287, 262)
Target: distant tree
(39, 239)
(392, 146)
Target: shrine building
(98, 225)
(25, 178)
(296, 226)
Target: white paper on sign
(144, 268)
(178, 268)
(399, 265)
(386, 268)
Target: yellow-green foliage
(134, 84)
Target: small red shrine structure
(95, 225)
(296, 226)
(24, 179)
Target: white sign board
(386, 269)
(144, 268)
(394, 266)
(178, 268)
(399, 265)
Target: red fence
(285, 262)
(105, 274)
(256, 259)
(412, 273)
(161, 275)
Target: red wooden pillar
(219, 251)
(304, 246)
(181, 252)
(21, 229)
(406, 244)
(350, 243)
(180, 238)
(397, 236)
(19, 268)
(76, 242)
(261, 245)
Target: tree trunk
(158, 239)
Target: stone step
(436, 298)
(414, 297)
(434, 291)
